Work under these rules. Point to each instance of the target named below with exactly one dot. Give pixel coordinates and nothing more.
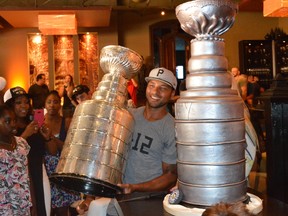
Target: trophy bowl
(206, 18)
(122, 60)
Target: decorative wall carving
(61, 51)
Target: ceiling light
(57, 24)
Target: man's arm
(164, 182)
(244, 92)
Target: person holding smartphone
(18, 101)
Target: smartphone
(39, 116)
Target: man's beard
(157, 105)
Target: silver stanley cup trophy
(210, 127)
(94, 154)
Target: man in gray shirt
(151, 163)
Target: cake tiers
(207, 55)
(209, 116)
(207, 66)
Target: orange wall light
(17, 78)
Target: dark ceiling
(24, 13)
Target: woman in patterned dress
(61, 198)
(14, 179)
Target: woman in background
(61, 199)
(66, 92)
(14, 178)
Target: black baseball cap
(79, 89)
(13, 93)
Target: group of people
(247, 85)
(249, 89)
(39, 91)
(30, 150)
(150, 166)
(155, 147)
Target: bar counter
(152, 204)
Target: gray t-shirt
(153, 143)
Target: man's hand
(84, 205)
(126, 188)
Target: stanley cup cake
(210, 127)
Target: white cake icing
(206, 47)
(214, 79)
(207, 63)
(207, 55)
